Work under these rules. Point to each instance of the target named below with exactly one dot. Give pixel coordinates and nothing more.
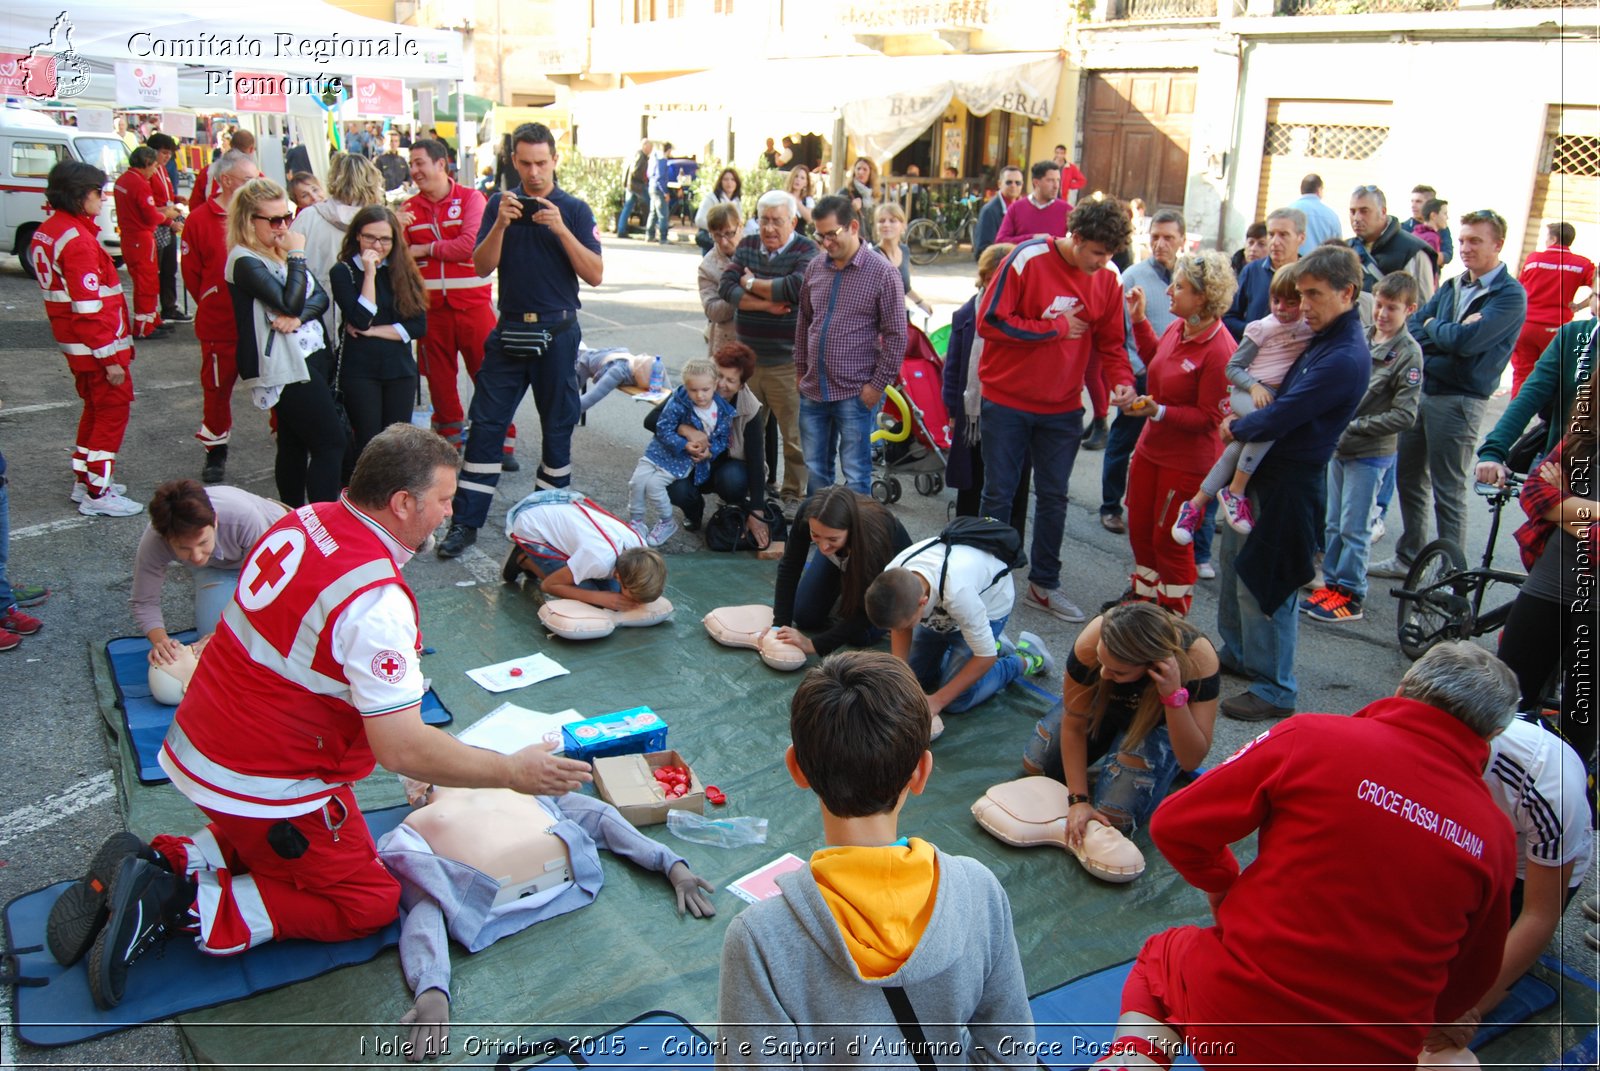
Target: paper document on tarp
(509, 728)
(762, 884)
(517, 672)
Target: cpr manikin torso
(504, 834)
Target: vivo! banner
(147, 87)
(381, 97)
(260, 93)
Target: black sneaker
(176, 317)
(456, 541)
(511, 569)
(147, 906)
(77, 916)
(216, 464)
(509, 463)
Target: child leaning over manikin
(480, 864)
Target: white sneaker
(1376, 530)
(79, 492)
(1035, 657)
(664, 530)
(1054, 603)
(1206, 571)
(111, 505)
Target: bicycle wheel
(1439, 615)
(924, 241)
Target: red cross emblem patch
(271, 567)
(454, 211)
(389, 667)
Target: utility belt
(526, 336)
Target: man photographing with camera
(544, 240)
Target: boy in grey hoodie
(884, 949)
(1367, 450)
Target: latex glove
(691, 891)
(429, 1020)
(265, 397)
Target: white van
(31, 144)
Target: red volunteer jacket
(82, 292)
(205, 257)
(1029, 363)
(451, 225)
(1552, 277)
(267, 726)
(137, 213)
(1378, 903)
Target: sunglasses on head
(275, 221)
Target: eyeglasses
(1012, 182)
(772, 224)
(385, 240)
(275, 222)
(833, 235)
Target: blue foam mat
(1075, 1023)
(52, 1005)
(656, 1039)
(146, 721)
(1528, 997)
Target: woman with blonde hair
(1138, 704)
(383, 310)
(798, 186)
(1188, 391)
(891, 227)
(282, 351)
(353, 184)
(862, 189)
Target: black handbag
(725, 531)
(345, 426)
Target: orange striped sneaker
(1339, 606)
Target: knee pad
(168, 683)
(751, 627)
(574, 620)
(1033, 810)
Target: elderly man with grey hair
(1378, 902)
(763, 285)
(1286, 229)
(205, 257)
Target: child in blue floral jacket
(670, 456)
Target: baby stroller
(913, 433)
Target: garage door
(1341, 140)
(1568, 183)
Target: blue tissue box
(627, 732)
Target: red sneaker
(14, 620)
(9, 640)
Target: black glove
(429, 1020)
(691, 891)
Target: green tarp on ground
(629, 953)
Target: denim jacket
(668, 449)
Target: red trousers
(248, 893)
(218, 373)
(1094, 378)
(144, 268)
(1163, 571)
(100, 427)
(453, 331)
(1530, 344)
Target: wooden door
(1136, 135)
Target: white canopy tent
(886, 102)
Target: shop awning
(886, 101)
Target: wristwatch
(1176, 699)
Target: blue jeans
(938, 656)
(1261, 646)
(628, 204)
(660, 216)
(1386, 491)
(817, 593)
(727, 481)
(8, 601)
(1352, 491)
(212, 590)
(1128, 795)
(843, 427)
(1124, 436)
(613, 375)
(1050, 440)
(1205, 534)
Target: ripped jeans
(1125, 794)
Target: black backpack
(986, 534)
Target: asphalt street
(57, 798)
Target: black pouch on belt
(524, 342)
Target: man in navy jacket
(1467, 331)
(1258, 580)
(1286, 229)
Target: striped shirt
(851, 330)
(770, 335)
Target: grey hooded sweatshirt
(791, 992)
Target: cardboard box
(628, 783)
(626, 732)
